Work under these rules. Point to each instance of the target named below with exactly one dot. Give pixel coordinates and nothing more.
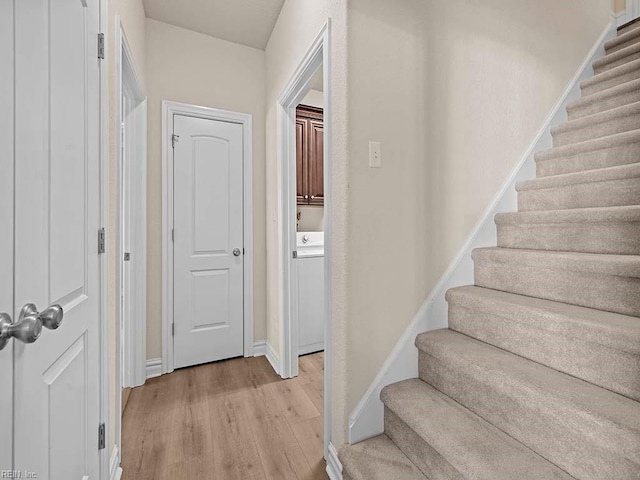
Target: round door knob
(27, 329)
(236, 252)
(51, 317)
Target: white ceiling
(247, 22)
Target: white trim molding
(366, 420)
(260, 348)
(334, 466)
(273, 358)
(621, 17)
(153, 368)
(115, 472)
(632, 10)
(169, 109)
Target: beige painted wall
(193, 68)
(130, 14)
(619, 5)
(460, 90)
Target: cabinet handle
(312, 197)
(306, 197)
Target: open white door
(6, 227)
(208, 240)
(57, 378)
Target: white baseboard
(153, 368)
(115, 472)
(272, 357)
(260, 348)
(366, 420)
(334, 467)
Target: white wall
(129, 14)
(193, 68)
(454, 91)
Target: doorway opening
(131, 226)
(304, 141)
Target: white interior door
(6, 228)
(208, 240)
(57, 378)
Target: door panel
(301, 162)
(6, 222)
(57, 218)
(208, 223)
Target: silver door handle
(27, 329)
(236, 252)
(51, 317)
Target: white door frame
(131, 329)
(291, 96)
(169, 109)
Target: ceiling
(247, 22)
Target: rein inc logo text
(17, 474)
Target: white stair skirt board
(334, 467)
(154, 367)
(620, 17)
(115, 472)
(366, 420)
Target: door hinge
(102, 436)
(173, 329)
(295, 254)
(172, 234)
(101, 46)
(127, 256)
(101, 241)
(174, 139)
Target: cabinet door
(316, 163)
(302, 177)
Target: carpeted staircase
(538, 375)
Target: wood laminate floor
(234, 419)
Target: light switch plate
(375, 156)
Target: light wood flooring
(234, 419)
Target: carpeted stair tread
(586, 430)
(613, 97)
(623, 40)
(621, 172)
(377, 458)
(604, 282)
(590, 145)
(447, 441)
(596, 346)
(612, 230)
(611, 78)
(603, 187)
(627, 54)
(627, 27)
(601, 124)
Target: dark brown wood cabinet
(309, 155)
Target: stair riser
(582, 109)
(600, 291)
(622, 61)
(628, 28)
(609, 157)
(560, 433)
(612, 82)
(546, 340)
(620, 125)
(610, 237)
(628, 43)
(613, 193)
(429, 461)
